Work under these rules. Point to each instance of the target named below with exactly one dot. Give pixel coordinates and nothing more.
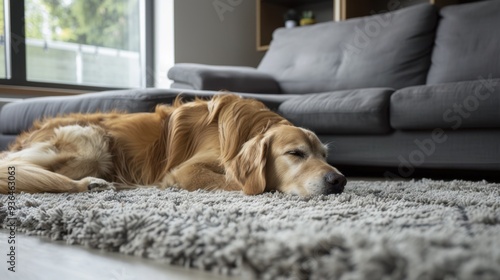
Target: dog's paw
(98, 185)
(168, 181)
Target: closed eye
(296, 153)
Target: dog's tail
(17, 175)
(20, 176)
(5, 173)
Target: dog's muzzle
(334, 183)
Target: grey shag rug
(374, 230)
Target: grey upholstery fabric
(5, 140)
(467, 43)
(19, 116)
(474, 149)
(361, 111)
(181, 85)
(388, 50)
(470, 104)
(232, 78)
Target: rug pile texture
(374, 230)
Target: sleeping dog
(226, 143)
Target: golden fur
(227, 143)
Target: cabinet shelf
(294, 3)
(270, 15)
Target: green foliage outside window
(105, 23)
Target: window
(83, 43)
(3, 64)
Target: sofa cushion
(5, 141)
(468, 104)
(467, 43)
(232, 78)
(361, 111)
(19, 116)
(387, 50)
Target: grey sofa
(414, 88)
(405, 90)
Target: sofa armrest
(232, 78)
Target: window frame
(15, 51)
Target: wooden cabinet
(270, 12)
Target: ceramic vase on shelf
(290, 23)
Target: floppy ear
(248, 167)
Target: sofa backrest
(385, 50)
(467, 43)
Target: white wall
(219, 32)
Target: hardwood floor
(39, 258)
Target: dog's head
(288, 159)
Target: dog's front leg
(198, 175)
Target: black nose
(335, 182)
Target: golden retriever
(227, 143)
